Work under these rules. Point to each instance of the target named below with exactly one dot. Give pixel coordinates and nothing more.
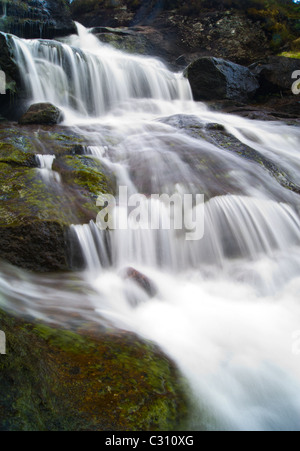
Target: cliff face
(36, 18)
(242, 31)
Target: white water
(227, 306)
(45, 163)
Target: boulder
(61, 380)
(42, 113)
(275, 74)
(141, 280)
(217, 79)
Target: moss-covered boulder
(38, 205)
(42, 113)
(125, 39)
(85, 173)
(57, 380)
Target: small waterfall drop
(45, 163)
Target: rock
(10, 101)
(141, 280)
(62, 380)
(36, 18)
(37, 210)
(124, 39)
(275, 74)
(85, 173)
(42, 113)
(223, 34)
(207, 164)
(94, 13)
(216, 79)
(175, 31)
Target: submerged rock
(141, 280)
(215, 79)
(218, 175)
(58, 380)
(42, 113)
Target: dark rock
(36, 18)
(42, 113)
(10, 101)
(223, 34)
(181, 33)
(215, 79)
(38, 246)
(93, 13)
(275, 74)
(141, 280)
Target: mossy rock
(133, 44)
(87, 173)
(36, 211)
(42, 113)
(12, 155)
(57, 380)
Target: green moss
(60, 380)
(129, 44)
(10, 154)
(27, 197)
(85, 172)
(291, 55)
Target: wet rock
(62, 380)
(215, 79)
(42, 113)
(124, 39)
(9, 101)
(141, 280)
(275, 75)
(215, 174)
(37, 207)
(36, 18)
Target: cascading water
(225, 308)
(91, 78)
(45, 163)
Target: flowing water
(225, 308)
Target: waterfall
(90, 78)
(4, 9)
(45, 163)
(225, 307)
